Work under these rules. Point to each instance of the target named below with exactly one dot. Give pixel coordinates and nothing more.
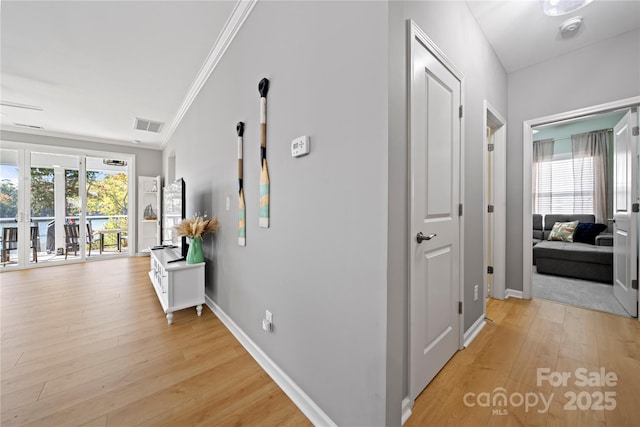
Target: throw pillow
(563, 231)
(586, 232)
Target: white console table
(178, 284)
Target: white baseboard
(291, 389)
(512, 293)
(407, 404)
(474, 330)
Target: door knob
(611, 220)
(420, 237)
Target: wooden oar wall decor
(242, 215)
(263, 220)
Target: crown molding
(239, 14)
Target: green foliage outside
(107, 195)
(8, 199)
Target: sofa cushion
(538, 233)
(580, 252)
(563, 231)
(551, 219)
(586, 232)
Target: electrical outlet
(267, 321)
(475, 293)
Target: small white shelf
(178, 285)
(148, 229)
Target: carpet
(581, 293)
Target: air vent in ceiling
(114, 162)
(148, 125)
(28, 126)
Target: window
(565, 186)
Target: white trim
(291, 389)
(474, 330)
(491, 117)
(527, 148)
(462, 200)
(231, 27)
(512, 293)
(407, 405)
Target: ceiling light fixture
(562, 7)
(571, 25)
(17, 105)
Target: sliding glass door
(107, 182)
(55, 207)
(62, 206)
(11, 194)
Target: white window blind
(565, 186)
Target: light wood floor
(532, 334)
(88, 344)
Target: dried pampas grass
(197, 226)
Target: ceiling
(522, 35)
(93, 67)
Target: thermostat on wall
(300, 146)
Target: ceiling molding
(240, 13)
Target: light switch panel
(300, 146)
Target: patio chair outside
(91, 237)
(71, 239)
(9, 243)
(34, 242)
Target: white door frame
(527, 138)
(493, 119)
(25, 195)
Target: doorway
(494, 152)
(528, 127)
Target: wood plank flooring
(88, 345)
(532, 334)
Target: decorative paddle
(263, 220)
(242, 223)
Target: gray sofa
(572, 259)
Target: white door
(434, 131)
(625, 264)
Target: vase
(194, 254)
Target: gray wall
(321, 267)
(454, 30)
(148, 162)
(600, 73)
